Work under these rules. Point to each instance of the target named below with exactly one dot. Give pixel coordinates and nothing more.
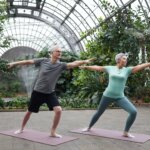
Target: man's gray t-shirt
(48, 74)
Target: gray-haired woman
(114, 92)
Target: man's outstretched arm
(23, 62)
(79, 63)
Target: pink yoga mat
(139, 138)
(39, 137)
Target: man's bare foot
(18, 131)
(55, 135)
(126, 134)
(86, 129)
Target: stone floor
(111, 119)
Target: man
(44, 88)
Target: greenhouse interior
(82, 51)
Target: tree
(128, 32)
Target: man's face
(57, 53)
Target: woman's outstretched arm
(93, 68)
(140, 67)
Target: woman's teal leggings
(123, 103)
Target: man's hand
(10, 65)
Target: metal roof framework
(40, 23)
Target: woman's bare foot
(56, 135)
(126, 134)
(86, 129)
(18, 131)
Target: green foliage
(72, 101)
(3, 66)
(1, 103)
(18, 102)
(9, 81)
(4, 41)
(43, 53)
(127, 33)
(3, 13)
(108, 6)
(147, 99)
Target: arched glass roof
(32, 33)
(40, 23)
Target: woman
(114, 92)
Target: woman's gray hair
(119, 56)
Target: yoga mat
(139, 138)
(39, 137)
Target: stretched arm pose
(115, 90)
(49, 78)
(135, 69)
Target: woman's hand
(89, 60)
(82, 67)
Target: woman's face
(123, 61)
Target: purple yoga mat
(139, 138)
(39, 137)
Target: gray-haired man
(44, 89)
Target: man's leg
(57, 116)
(24, 122)
(36, 101)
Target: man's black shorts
(37, 99)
